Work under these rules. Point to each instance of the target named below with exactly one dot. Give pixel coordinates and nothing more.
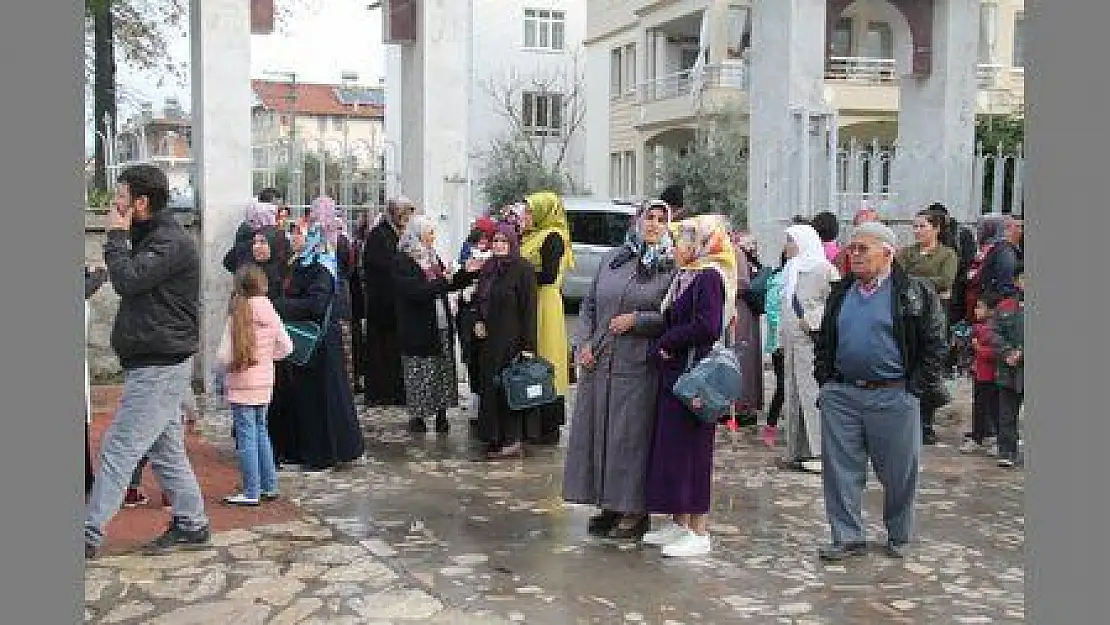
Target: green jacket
(1009, 330)
(772, 309)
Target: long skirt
(384, 380)
(680, 469)
(803, 421)
(431, 385)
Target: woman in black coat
(506, 328)
(312, 419)
(426, 326)
(384, 381)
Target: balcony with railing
(671, 97)
(860, 69)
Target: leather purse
(306, 335)
(527, 382)
(714, 380)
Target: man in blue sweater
(879, 354)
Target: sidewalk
(216, 470)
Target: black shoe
(270, 496)
(176, 537)
(837, 553)
(636, 532)
(442, 425)
(602, 524)
(417, 426)
(895, 550)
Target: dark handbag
(527, 382)
(306, 335)
(715, 380)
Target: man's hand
(586, 357)
(473, 265)
(118, 220)
(622, 324)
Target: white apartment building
(647, 59)
(457, 73)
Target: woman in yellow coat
(546, 244)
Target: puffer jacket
(157, 276)
(919, 329)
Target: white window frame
(616, 73)
(541, 26)
(545, 107)
(628, 69)
(616, 174)
(1017, 61)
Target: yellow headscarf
(713, 249)
(548, 215)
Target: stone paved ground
(420, 535)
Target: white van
(596, 227)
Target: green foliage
(1005, 132)
(713, 169)
(513, 172)
(99, 198)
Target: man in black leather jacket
(154, 266)
(880, 351)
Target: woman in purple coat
(680, 471)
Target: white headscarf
(412, 244)
(811, 254)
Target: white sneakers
(678, 542)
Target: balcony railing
(682, 83)
(860, 69)
(987, 74)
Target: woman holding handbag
(505, 329)
(696, 311)
(614, 416)
(425, 325)
(312, 419)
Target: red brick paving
(216, 470)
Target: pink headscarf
(324, 213)
(261, 214)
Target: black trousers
(984, 411)
(89, 475)
(778, 364)
(1009, 405)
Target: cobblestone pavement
(418, 534)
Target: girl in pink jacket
(253, 339)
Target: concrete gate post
(220, 33)
(787, 77)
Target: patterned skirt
(431, 384)
(348, 349)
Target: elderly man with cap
(880, 351)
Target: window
(599, 227)
(338, 122)
(322, 124)
(542, 113)
(738, 30)
(629, 174)
(544, 30)
(841, 44)
(1019, 40)
(629, 73)
(689, 57)
(615, 174)
(615, 70)
(879, 41)
(988, 20)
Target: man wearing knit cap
(880, 351)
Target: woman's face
(526, 220)
(297, 239)
(791, 247)
(428, 237)
(684, 252)
(923, 231)
(403, 217)
(260, 249)
(499, 245)
(655, 225)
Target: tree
(544, 115)
(713, 168)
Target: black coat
(416, 298)
(378, 257)
(919, 329)
(157, 278)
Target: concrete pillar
(787, 75)
(220, 33)
(936, 121)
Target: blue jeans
(148, 421)
(256, 454)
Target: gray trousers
(882, 425)
(148, 421)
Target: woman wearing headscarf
(695, 311)
(546, 244)
(505, 329)
(312, 417)
(746, 328)
(994, 269)
(614, 408)
(358, 300)
(384, 382)
(261, 217)
(807, 281)
(325, 213)
(426, 327)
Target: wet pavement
(420, 534)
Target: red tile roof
(317, 99)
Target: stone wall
(103, 365)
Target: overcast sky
(323, 39)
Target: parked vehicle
(596, 227)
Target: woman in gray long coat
(614, 412)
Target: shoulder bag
(714, 380)
(306, 335)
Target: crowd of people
(859, 331)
